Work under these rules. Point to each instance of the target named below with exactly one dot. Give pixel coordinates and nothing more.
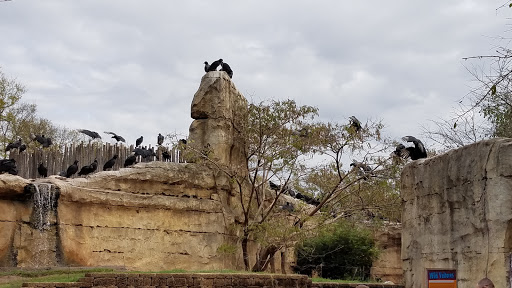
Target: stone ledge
(353, 285)
(207, 280)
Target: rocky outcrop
(388, 266)
(12, 186)
(220, 114)
(152, 216)
(458, 214)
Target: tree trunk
(283, 261)
(245, 253)
(272, 264)
(264, 258)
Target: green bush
(339, 251)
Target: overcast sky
(132, 67)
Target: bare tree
(466, 126)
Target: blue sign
(441, 278)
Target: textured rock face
(154, 216)
(388, 267)
(11, 186)
(458, 214)
(152, 223)
(220, 112)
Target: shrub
(338, 251)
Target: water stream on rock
(44, 200)
(43, 243)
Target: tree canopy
(286, 144)
(19, 119)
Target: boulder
(12, 186)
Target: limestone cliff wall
(457, 214)
(154, 216)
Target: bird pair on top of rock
(215, 64)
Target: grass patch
(47, 272)
(226, 271)
(73, 275)
(60, 275)
(318, 279)
(176, 271)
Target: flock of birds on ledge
(9, 165)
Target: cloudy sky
(132, 67)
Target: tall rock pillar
(220, 113)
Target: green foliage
(10, 93)
(278, 132)
(338, 251)
(19, 120)
(227, 249)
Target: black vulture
(9, 166)
(110, 163)
(290, 192)
(72, 169)
(415, 153)
(139, 151)
(13, 145)
(88, 169)
(307, 199)
(94, 165)
(22, 148)
(160, 139)
(288, 207)
(43, 171)
(139, 141)
(206, 66)
(130, 160)
(166, 156)
(274, 186)
(354, 122)
(85, 170)
(44, 141)
(90, 133)
(214, 65)
(144, 152)
(115, 136)
(227, 69)
(363, 170)
(399, 151)
(311, 200)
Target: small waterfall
(38, 247)
(45, 202)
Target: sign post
(441, 278)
